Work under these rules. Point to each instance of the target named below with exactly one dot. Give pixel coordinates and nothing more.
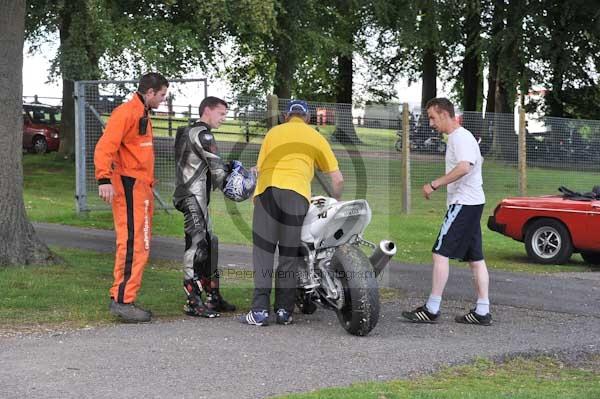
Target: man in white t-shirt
(460, 234)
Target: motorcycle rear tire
(360, 312)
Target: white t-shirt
(467, 190)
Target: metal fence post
(272, 111)
(80, 184)
(406, 194)
(171, 114)
(522, 153)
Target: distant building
(384, 116)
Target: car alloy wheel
(40, 146)
(548, 241)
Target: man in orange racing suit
(124, 161)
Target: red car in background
(552, 227)
(40, 128)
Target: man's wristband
(432, 186)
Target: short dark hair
(211, 102)
(442, 104)
(153, 81)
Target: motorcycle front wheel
(360, 311)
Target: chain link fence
(95, 100)
(368, 143)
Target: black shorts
(460, 234)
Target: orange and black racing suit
(124, 157)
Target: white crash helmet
(239, 183)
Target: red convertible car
(552, 227)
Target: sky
(35, 81)
(36, 70)
(35, 74)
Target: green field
(49, 197)
(235, 129)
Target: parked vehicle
(422, 137)
(552, 227)
(40, 128)
(336, 274)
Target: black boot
(215, 301)
(194, 305)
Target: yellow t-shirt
(288, 156)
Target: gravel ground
(221, 358)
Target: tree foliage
(569, 44)
(306, 49)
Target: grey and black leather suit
(199, 170)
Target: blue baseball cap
(297, 107)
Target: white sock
(483, 306)
(433, 303)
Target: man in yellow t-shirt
(285, 166)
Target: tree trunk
(67, 121)
(429, 76)
(554, 102)
(86, 67)
(66, 149)
(344, 126)
(471, 76)
(429, 30)
(285, 54)
(492, 76)
(490, 107)
(509, 74)
(283, 76)
(19, 244)
(494, 49)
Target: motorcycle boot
(210, 283)
(214, 299)
(194, 305)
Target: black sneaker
(474, 318)
(421, 315)
(129, 312)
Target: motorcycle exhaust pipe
(382, 255)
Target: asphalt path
(576, 293)
(221, 358)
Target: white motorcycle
(336, 273)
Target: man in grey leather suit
(199, 170)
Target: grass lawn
(49, 189)
(539, 378)
(75, 293)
